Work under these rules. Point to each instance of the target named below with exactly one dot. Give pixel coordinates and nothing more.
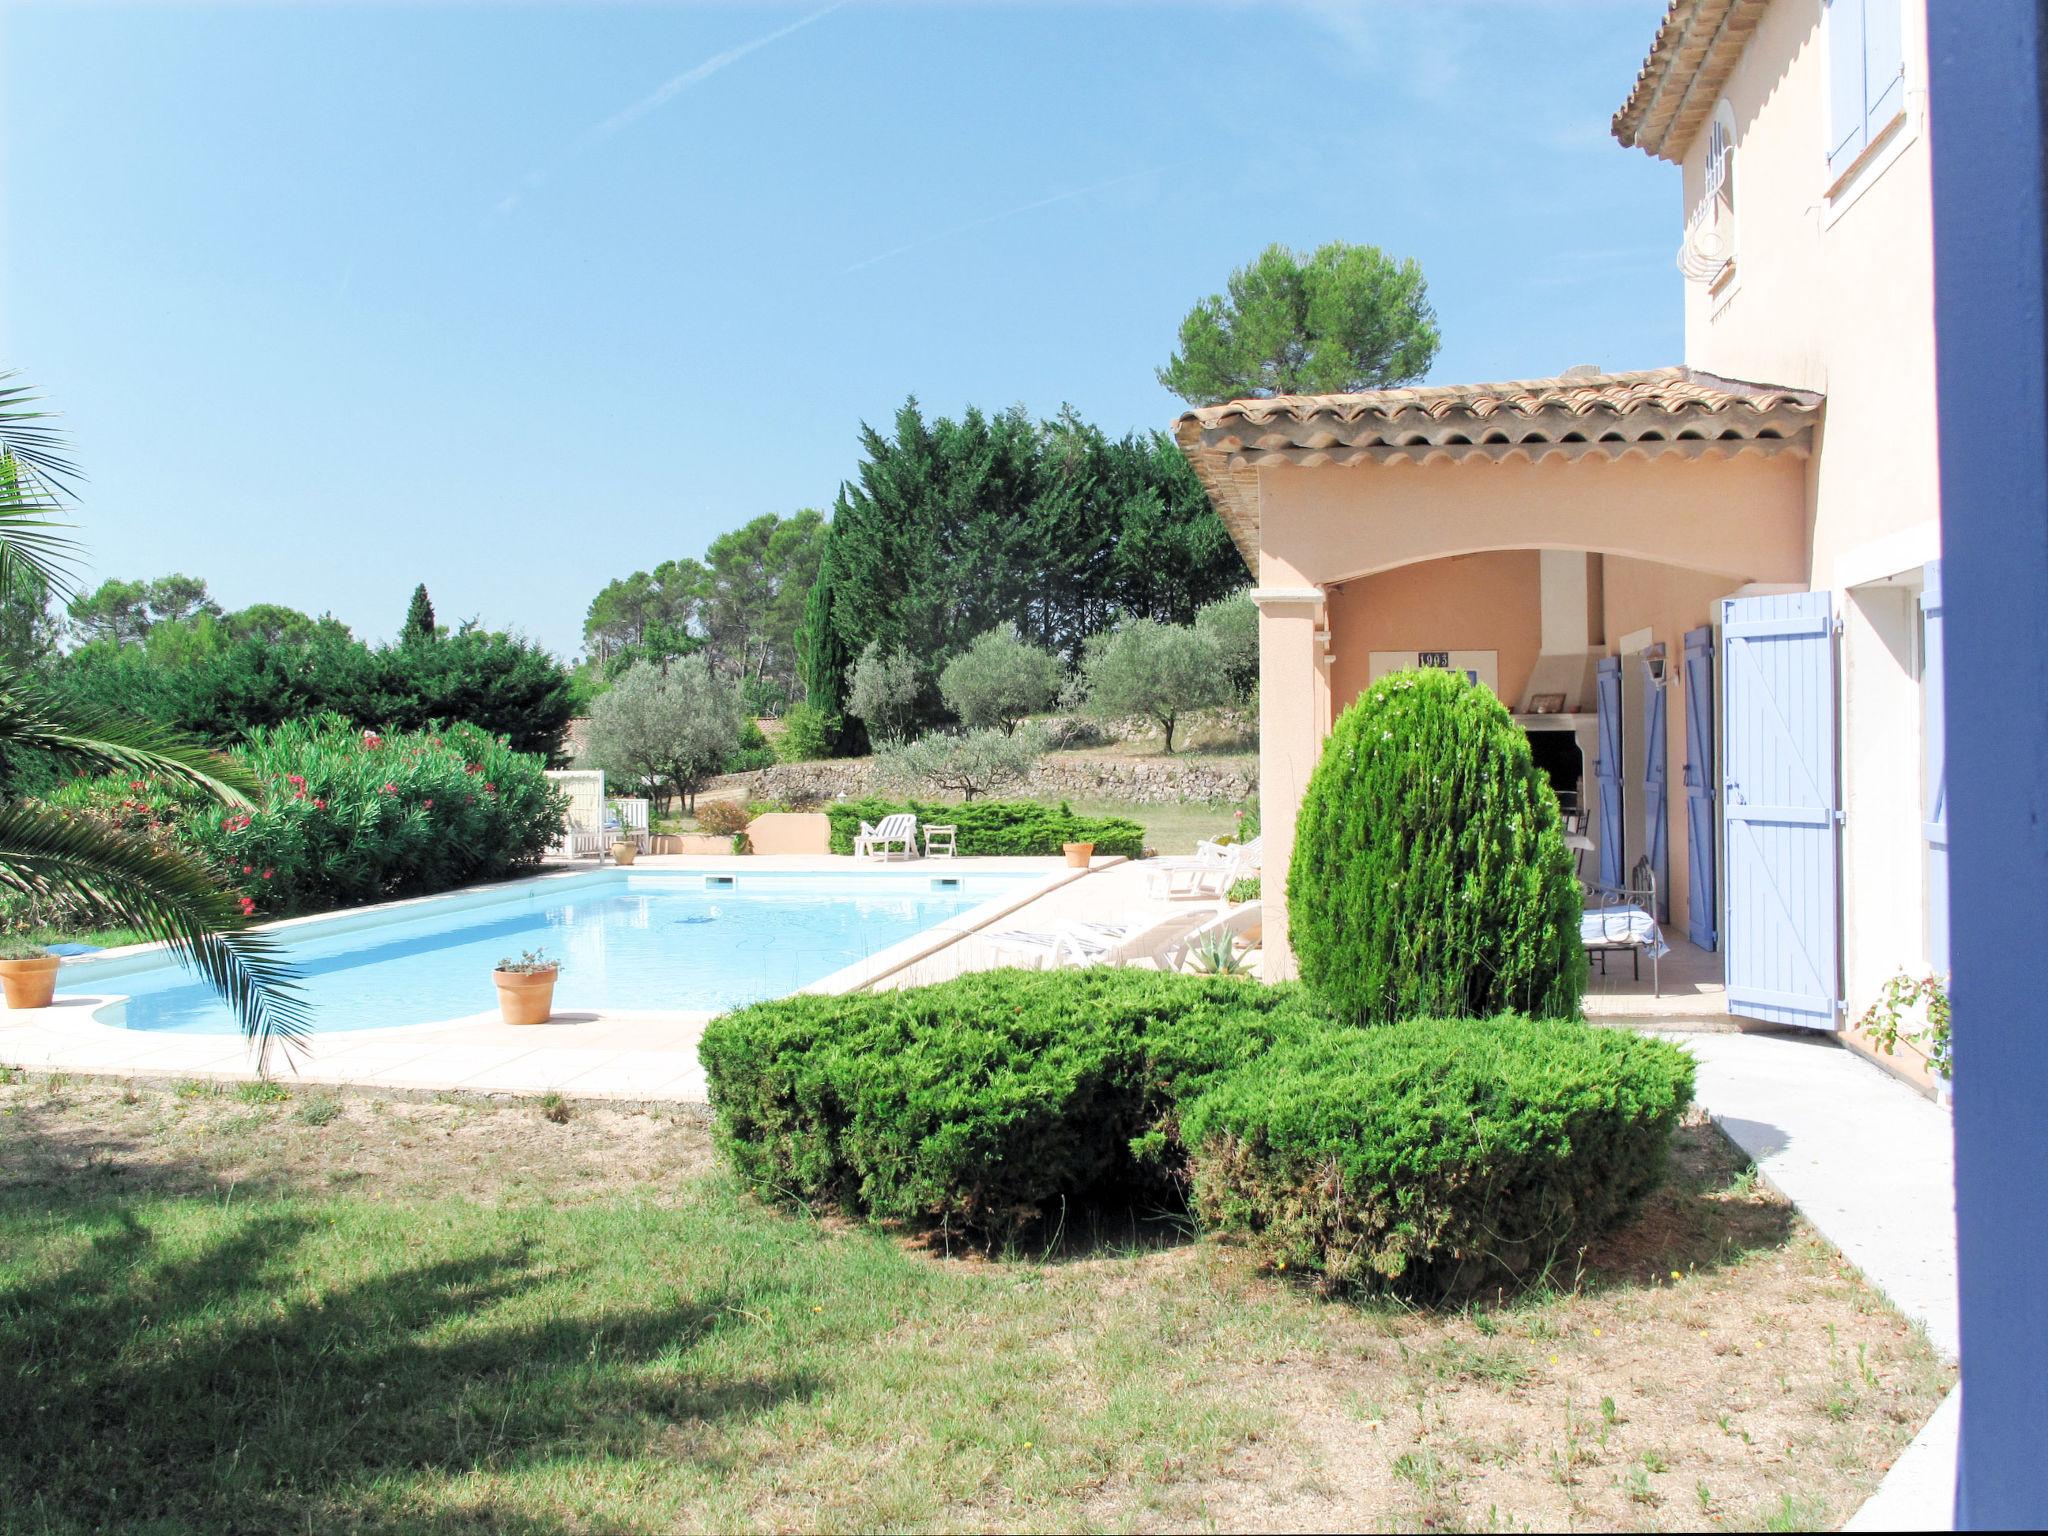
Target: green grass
(1168, 828)
(209, 1364)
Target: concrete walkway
(1871, 1164)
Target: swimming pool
(691, 942)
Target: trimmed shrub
(1430, 876)
(350, 816)
(982, 1103)
(997, 828)
(1429, 1157)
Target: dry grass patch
(229, 1311)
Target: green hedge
(1430, 877)
(982, 1103)
(1430, 1157)
(993, 828)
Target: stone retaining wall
(1136, 781)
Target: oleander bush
(992, 828)
(981, 1104)
(349, 816)
(1430, 878)
(1430, 1157)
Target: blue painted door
(1780, 809)
(1656, 782)
(1607, 767)
(1935, 782)
(1702, 826)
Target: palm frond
(169, 895)
(26, 436)
(36, 475)
(105, 743)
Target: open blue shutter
(1701, 823)
(1884, 66)
(1782, 937)
(1656, 785)
(1934, 728)
(1846, 116)
(1607, 767)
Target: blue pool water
(625, 941)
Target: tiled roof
(1580, 414)
(1689, 63)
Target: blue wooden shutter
(1656, 785)
(1780, 809)
(1701, 823)
(1884, 66)
(1847, 119)
(1934, 727)
(1607, 767)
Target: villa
(1710, 592)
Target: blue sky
(337, 298)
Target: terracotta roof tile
(1695, 52)
(1578, 414)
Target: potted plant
(624, 849)
(1078, 854)
(28, 973)
(526, 987)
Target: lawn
(259, 1311)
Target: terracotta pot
(1078, 854)
(29, 983)
(525, 997)
(625, 852)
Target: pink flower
(268, 873)
(248, 905)
(137, 785)
(390, 788)
(372, 740)
(430, 805)
(298, 781)
(248, 869)
(490, 789)
(319, 805)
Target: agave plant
(103, 877)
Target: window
(1866, 76)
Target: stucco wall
(1744, 515)
(1832, 290)
(1486, 602)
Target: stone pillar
(1294, 716)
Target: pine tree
(419, 617)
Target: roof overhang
(1657, 413)
(1694, 54)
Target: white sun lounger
(1157, 937)
(1211, 872)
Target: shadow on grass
(195, 1370)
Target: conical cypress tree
(1430, 877)
(419, 616)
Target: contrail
(1008, 213)
(659, 97)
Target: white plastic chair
(1154, 937)
(892, 836)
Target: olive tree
(999, 679)
(1232, 625)
(1158, 670)
(970, 764)
(671, 727)
(881, 691)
